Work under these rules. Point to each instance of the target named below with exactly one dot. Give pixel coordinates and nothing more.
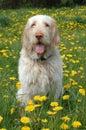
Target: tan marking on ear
(25, 37)
(55, 35)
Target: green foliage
(79, 19)
(4, 21)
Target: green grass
(71, 24)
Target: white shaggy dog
(40, 64)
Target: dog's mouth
(39, 48)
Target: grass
(71, 107)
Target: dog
(40, 63)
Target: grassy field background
(70, 111)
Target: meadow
(46, 114)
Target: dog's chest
(37, 73)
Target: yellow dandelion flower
(40, 98)
(64, 126)
(3, 129)
(58, 108)
(3, 51)
(1, 35)
(51, 113)
(54, 104)
(36, 98)
(63, 56)
(69, 55)
(5, 55)
(43, 98)
(73, 73)
(72, 43)
(79, 100)
(1, 68)
(66, 75)
(45, 129)
(76, 124)
(81, 68)
(44, 120)
(25, 119)
(65, 118)
(12, 111)
(67, 86)
(82, 91)
(12, 78)
(1, 118)
(82, 77)
(25, 128)
(18, 85)
(5, 96)
(30, 108)
(66, 97)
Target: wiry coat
(40, 71)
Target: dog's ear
(25, 37)
(55, 35)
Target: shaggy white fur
(40, 63)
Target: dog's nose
(39, 35)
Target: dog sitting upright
(40, 63)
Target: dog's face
(40, 36)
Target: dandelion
(81, 68)
(40, 98)
(72, 43)
(63, 56)
(18, 85)
(36, 98)
(45, 129)
(51, 113)
(3, 51)
(44, 120)
(30, 108)
(64, 126)
(76, 124)
(54, 104)
(3, 129)
(66, 97)
(73, 73)
(25, 128)
(12, 78)
(79, 100)
(12, 111)
(58, 108)
(67, 86)
(1, 118)
(1, 68)
(43, 98)
(65, 118)
(5, 96)
(82, 91)
(1, 35)
(25, 119)
(73, 82)
(66, 75)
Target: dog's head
(40, 36)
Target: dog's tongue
(40, 49)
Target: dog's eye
(47, 25)
(33, 25)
